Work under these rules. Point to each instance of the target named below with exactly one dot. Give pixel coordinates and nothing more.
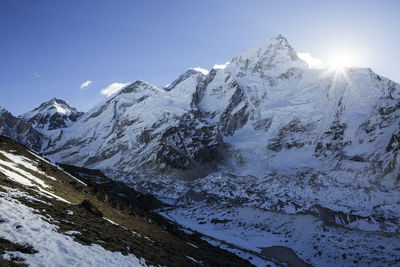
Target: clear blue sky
(49, 48)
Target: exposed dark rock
(185, 142)
(339, 218)
(286, 138)
(201, 88)
(20, 131)
(233, 117)
(332, 141)
(394, 143)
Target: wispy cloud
(221, 66)
(204, 71)
(85, 84)
(113, 88)
(310, 60)
(37, 75)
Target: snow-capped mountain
(51, 115)
(264, 130)
(142, 126)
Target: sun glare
(340, 62)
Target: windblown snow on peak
(51, 115)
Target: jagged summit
(186, 75)
(56, 105)
(53, 114)
(272, 58)
(52, 106)
(138, 86)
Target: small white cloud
(113, 88)
(37, 75)
(85, 84)
(220, 66)
(204, 71)
(311, 61)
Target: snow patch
(54, 249)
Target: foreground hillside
(48, 217)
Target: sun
(340, 61)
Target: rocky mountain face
(264, 130)
(51, 115)
(20, 131)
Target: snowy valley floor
(266, 233)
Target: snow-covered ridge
(188, 74)
(51, 115)
(50, 107)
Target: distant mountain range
(265, 131)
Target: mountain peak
(186, 75)
(272, 58)
(2, 110)
(52, 114)
(279, 39)
(138, 86)
(56, 105)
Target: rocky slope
(20, 131)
